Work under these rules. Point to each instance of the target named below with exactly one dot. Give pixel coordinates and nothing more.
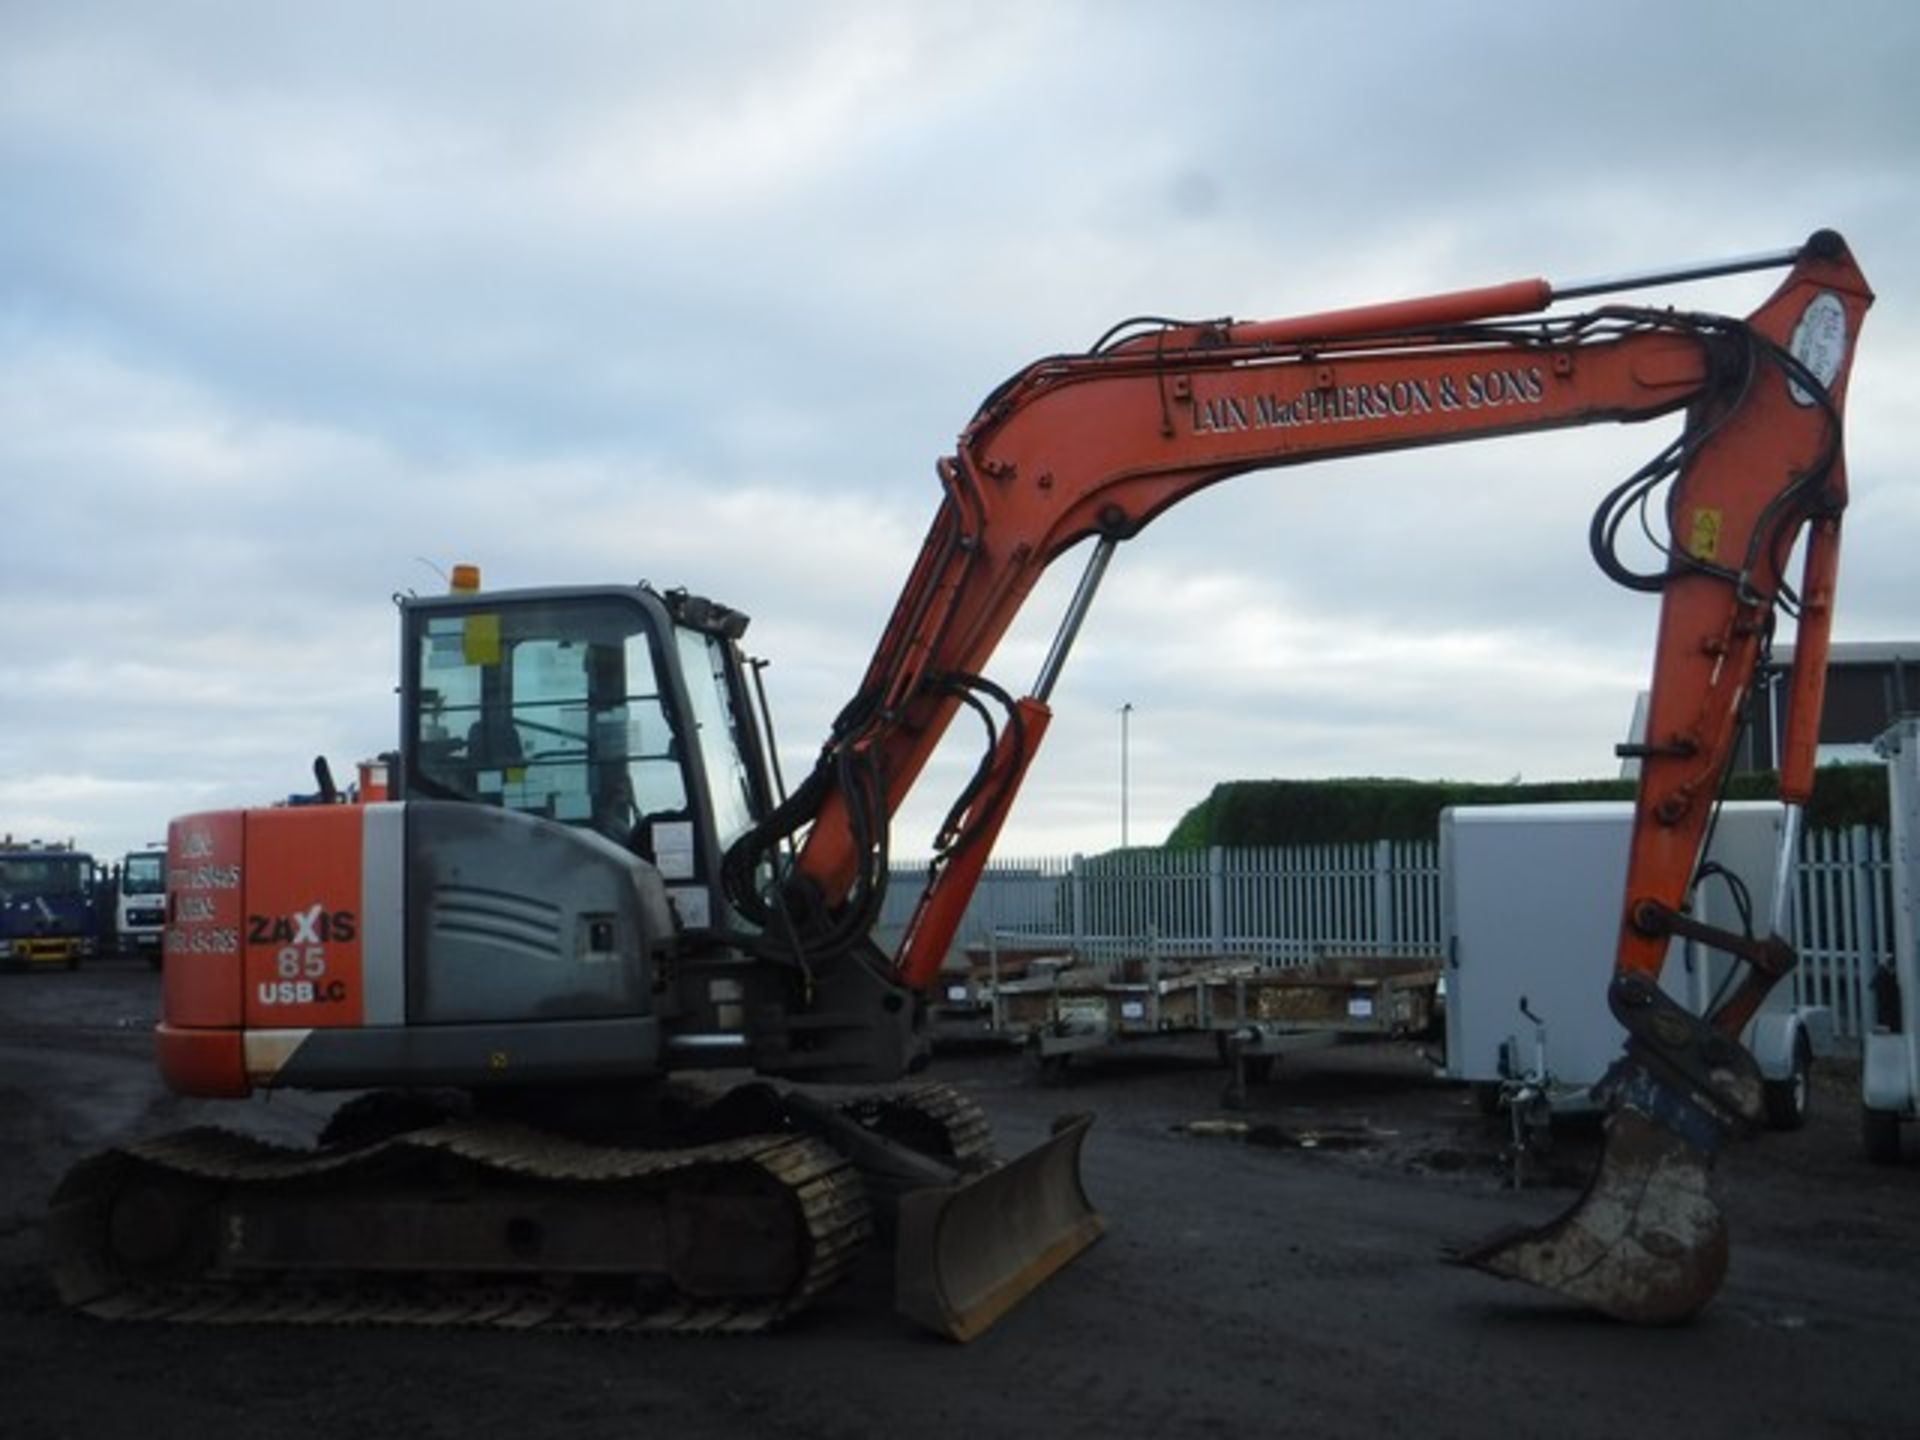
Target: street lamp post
(1126, 711)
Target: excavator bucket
(968, 1253)
(1646, 1243)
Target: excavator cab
(616, 710)
(624, 717)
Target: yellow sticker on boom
(1704, 542)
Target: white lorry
(140, 903)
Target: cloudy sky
(301, 304)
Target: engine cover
(424, 942)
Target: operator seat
(493, 743)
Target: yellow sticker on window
(481, 640)
(1704, 543)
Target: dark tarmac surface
(1284, 1280)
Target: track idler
(1646, 1243)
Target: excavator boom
(1095, 445)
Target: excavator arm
(1095, 445)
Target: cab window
(555, 710)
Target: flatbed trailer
(1255, 1012)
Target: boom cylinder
(1076, 615)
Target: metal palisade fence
(1843, 923)
(1289, 906)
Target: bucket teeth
(1645, 1243)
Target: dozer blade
(967, 1254)
(1646, 1243)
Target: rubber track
(828, 1190)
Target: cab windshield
(555, 709)
(717, 730)
(25, 877)
(144, 875)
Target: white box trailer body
(1890, 1058)
(1531, 898)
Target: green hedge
(1316, 812)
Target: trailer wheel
(1880, 1135)
(1787, 1100)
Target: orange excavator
(588, 895)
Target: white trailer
(1890, 1059)
(1530, 906)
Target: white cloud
(290, 296)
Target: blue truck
(48, 911)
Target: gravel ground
(1279, 1269)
